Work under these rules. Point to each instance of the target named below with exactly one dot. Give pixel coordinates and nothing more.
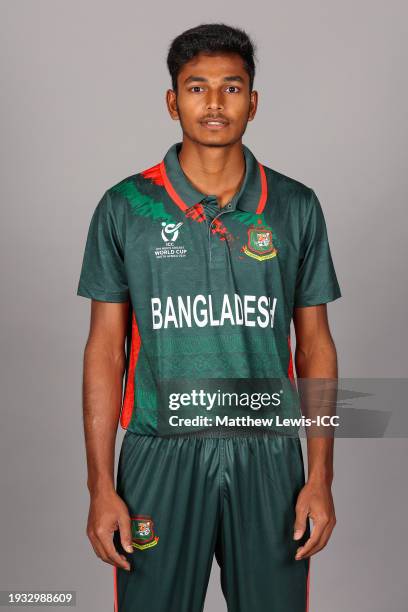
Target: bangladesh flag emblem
(143, 535)
(259, 245)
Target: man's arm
(315, 357)
(104, 367)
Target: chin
(215, 140)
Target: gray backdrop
(83, 106)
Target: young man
(198, 264)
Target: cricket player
(196, 265)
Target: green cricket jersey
(211, 293)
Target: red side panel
(307, 588)
(291, 374)
(115, 590)
(129, 399)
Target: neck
(213, 170)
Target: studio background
(83, 105)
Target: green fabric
(212, 290)
(231, 497)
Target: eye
(232, 87)
(195, 87)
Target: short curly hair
(211, 38)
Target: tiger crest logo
(143, 533)
(259, 245)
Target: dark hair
(210, 38)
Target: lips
(214, 123)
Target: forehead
(214, 66)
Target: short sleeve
(316, 281)
(103, 275)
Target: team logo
(143, 535)
(170, 231)
(259, 245)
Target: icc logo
(170, 231)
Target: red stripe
(115, 589)
(170, 189)
(307, 587)
(129, 399)
(264, 190)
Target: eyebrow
(204, 80)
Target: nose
(214, 100)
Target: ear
(171, 102)
(253, 105)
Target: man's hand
(315, 500)
(107, 513)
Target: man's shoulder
(131, 185)
(139, 194)
(286, 186)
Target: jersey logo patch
(259, 245)
(170, 249)
(170, 231)
(143, 534)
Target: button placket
(209, 227)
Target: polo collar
(251, 197)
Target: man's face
(213, 102)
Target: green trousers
(192, 497)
